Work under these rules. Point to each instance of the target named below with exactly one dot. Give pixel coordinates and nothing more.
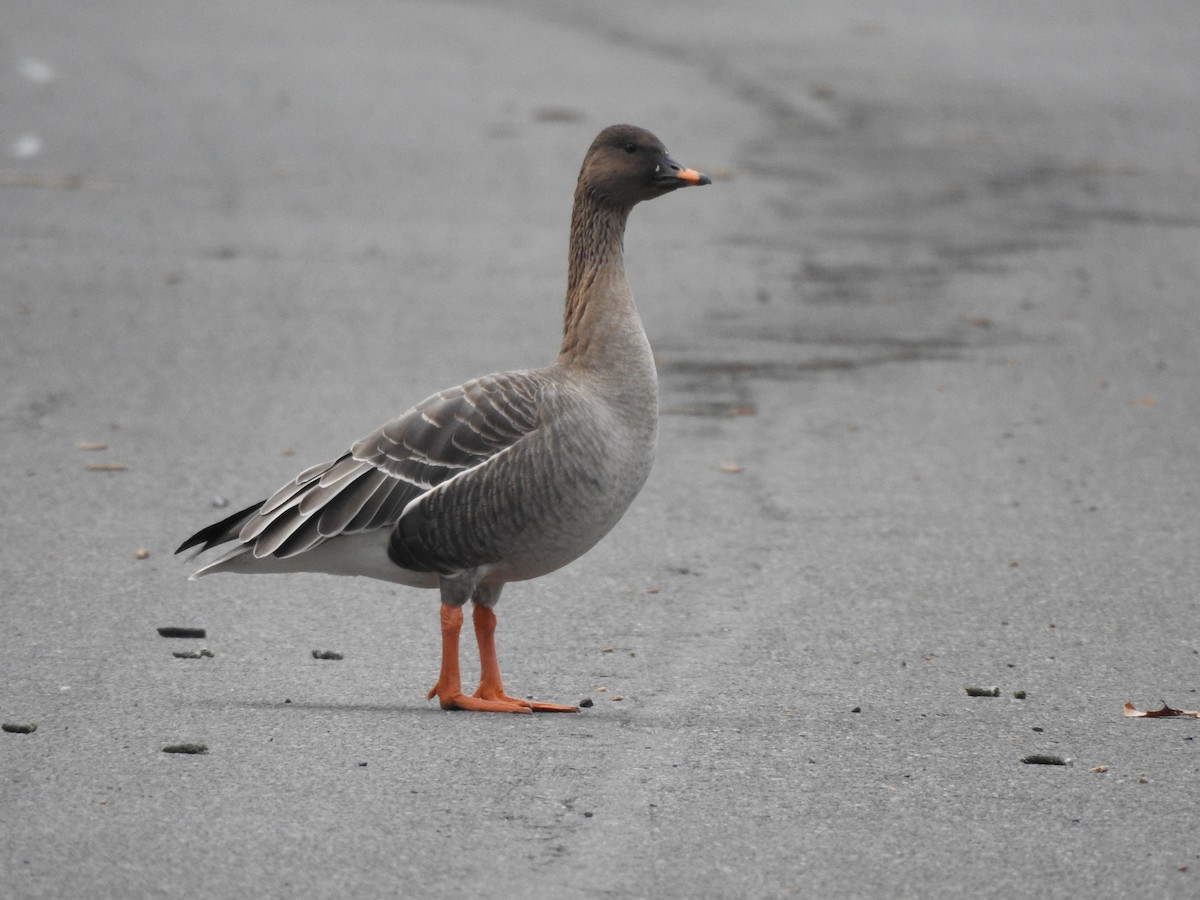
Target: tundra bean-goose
(503, 478)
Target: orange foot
(489, 696)
(459, 700)
(498, 696)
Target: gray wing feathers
(457, 429)
(369, 487)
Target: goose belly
(571, 503)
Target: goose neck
(597, 290)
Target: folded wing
(368, 488)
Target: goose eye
(631, 148)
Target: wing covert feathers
(370, 487)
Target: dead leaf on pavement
(1161, 713)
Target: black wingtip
(220, 532)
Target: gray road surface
(930, 355)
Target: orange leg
(490, 687)
(448, 689)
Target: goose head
(626, 165)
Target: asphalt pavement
(929, 349)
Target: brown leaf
(1163, 712)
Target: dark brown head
(626, 165)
